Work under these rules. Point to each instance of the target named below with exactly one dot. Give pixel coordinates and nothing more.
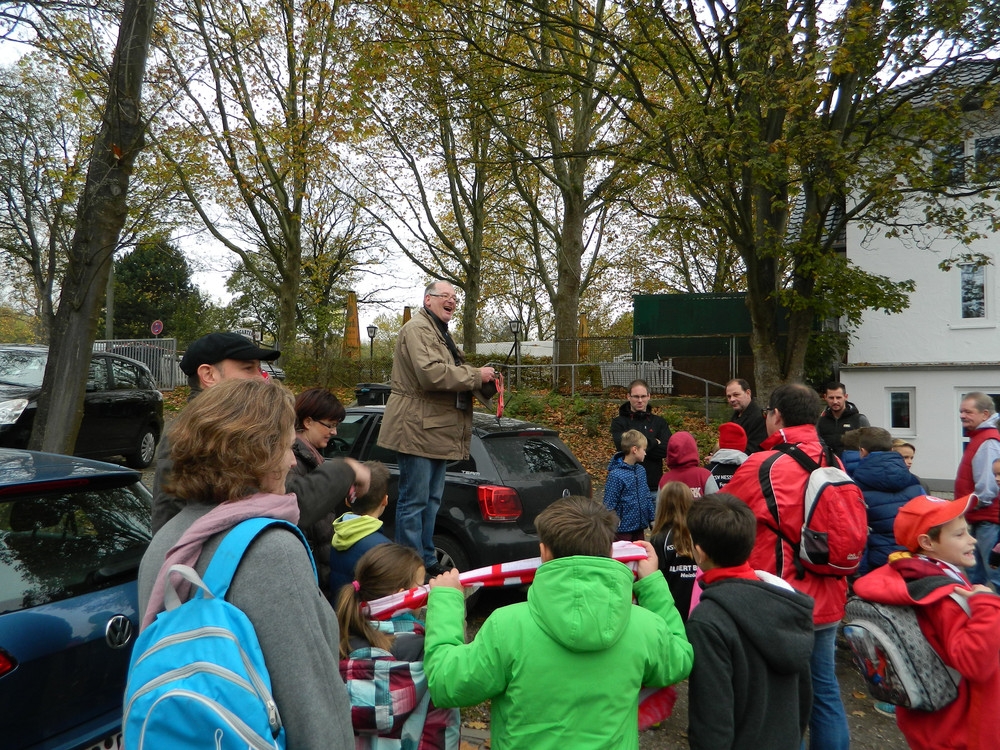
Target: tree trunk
(567, 302)
(100, 217)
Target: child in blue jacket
(626, 492)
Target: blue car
(72, 533)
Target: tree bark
(100, 217)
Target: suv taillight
(499, 503)
(7, 663)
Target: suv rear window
(56, 545)
(516, 456)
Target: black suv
(514, 471)
(122, 408)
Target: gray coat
(421, 417)
(297, 629)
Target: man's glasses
(453, 297)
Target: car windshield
(20, 367)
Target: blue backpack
(197, 676)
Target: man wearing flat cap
(228, 356)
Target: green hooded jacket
(563, 669)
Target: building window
(988, 159)
(949, 164)
(973, 291)
(901, 402)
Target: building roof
(965, 78)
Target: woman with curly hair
(231, 451)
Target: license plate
(111, 742)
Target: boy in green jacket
(563, 669)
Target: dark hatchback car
(72, 533)
(515, 470)
(122, 408)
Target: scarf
(448, 340)
(221, 518)
(737, 571)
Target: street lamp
(372, 330)
(515, 328)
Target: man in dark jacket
(635, 414)
(746, 413)
(839, 417)
(226, 356)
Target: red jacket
(684, 464)
(788, 480)
(967, 643)
(965, 482)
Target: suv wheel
(144, 452)
(450, 553)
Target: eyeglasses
(453, 297)
(327, 425)
(767, 410)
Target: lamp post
(515, 328)
(372, 330)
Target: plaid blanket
(391, 708)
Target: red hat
(731, 435)
(924, 512)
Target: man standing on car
(428, 417)
(635, 414)
(226, 356)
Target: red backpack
(834, 520)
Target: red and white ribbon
(516, 573)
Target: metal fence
(159, 355)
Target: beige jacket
(420, 416)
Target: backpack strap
(803, 459)
(234, 545)
(764, 477)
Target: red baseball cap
(924, 512)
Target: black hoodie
(752, 645)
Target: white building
(909, 372)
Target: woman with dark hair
(231, 451)
(317, 414)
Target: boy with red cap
(940, 547)
(727, 459)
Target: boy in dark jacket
(357, 531)
(725, 461)
(752, 635)
(887, 486)
(626, 492)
